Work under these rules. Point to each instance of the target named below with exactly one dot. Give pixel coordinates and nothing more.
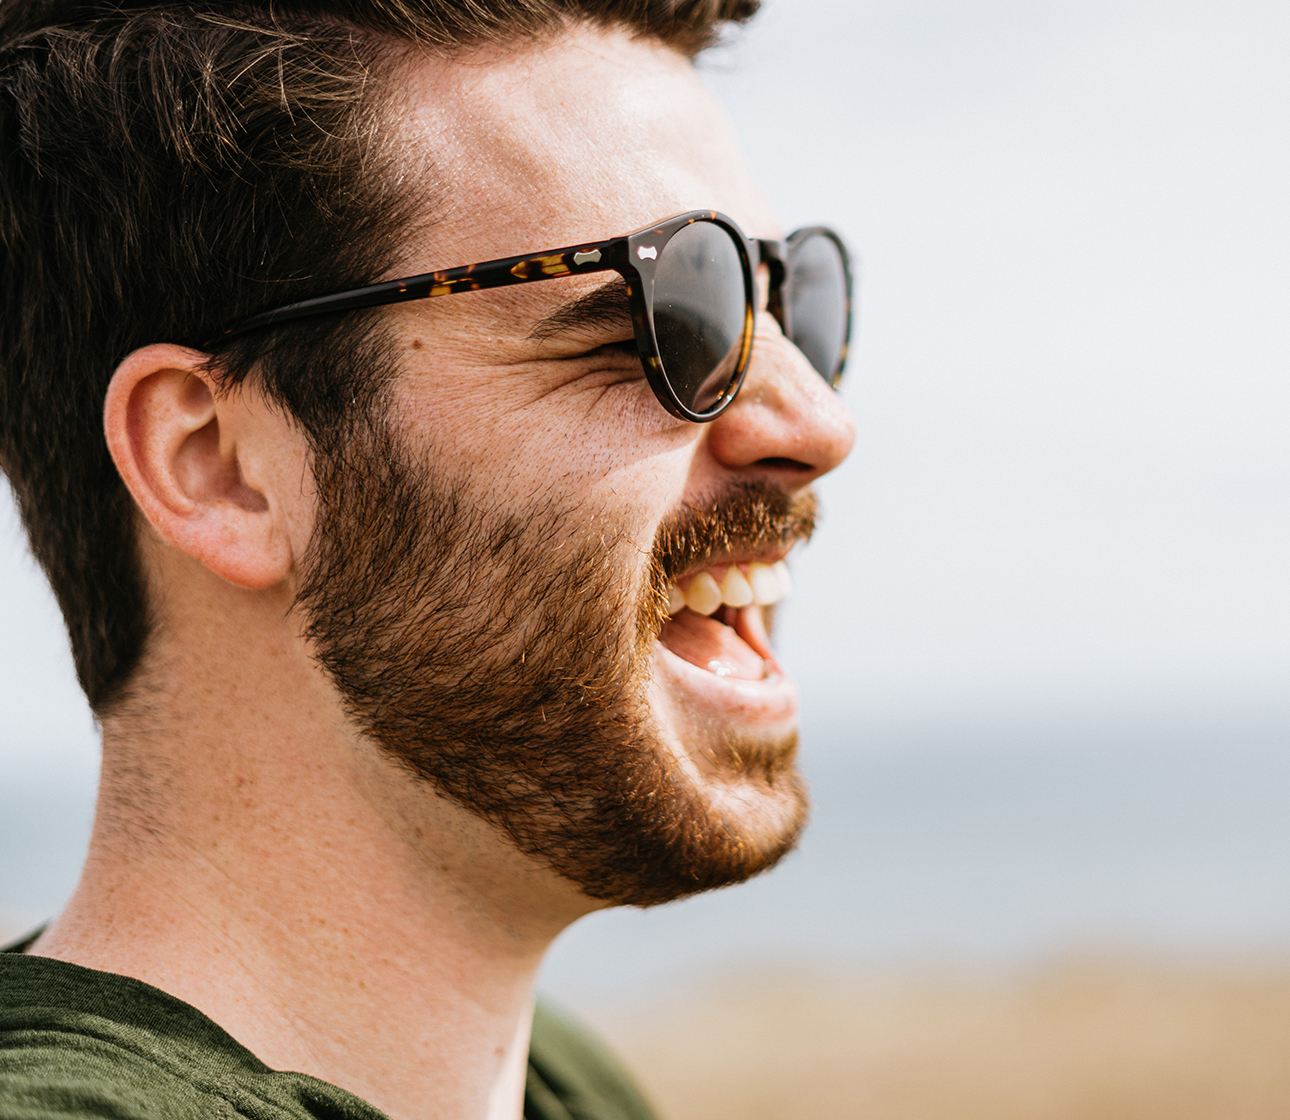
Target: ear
(181, 447)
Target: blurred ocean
(995, 842)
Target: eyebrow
(606, 306)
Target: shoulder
(77, 1044)
(572, 1076)
(59, 1072)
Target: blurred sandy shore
(1090, 1040)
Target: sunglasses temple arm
(599, 257)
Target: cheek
(622, 483)
(609, 450)
(607, 500)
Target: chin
(737, 802)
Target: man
(423, 606)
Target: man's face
(489, 591)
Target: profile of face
(501, 550)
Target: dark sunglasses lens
(816, 293)
(700, 312)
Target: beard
(503, 656)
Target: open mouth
(717, 620)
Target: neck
(256, 859)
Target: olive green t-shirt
(76, 1043)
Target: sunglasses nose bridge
(772, 254)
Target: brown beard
(503, 656)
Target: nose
(786, 425)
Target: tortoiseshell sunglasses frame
(633, 256)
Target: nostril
(781, 464)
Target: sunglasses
(692, 286)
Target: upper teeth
(740, 586)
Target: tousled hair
(169, 168)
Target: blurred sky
(1072, 478)
(1072, 484)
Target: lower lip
(765, 703)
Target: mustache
(748, 517)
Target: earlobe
(179, 446)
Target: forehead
(582, 137)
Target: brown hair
(166, 169)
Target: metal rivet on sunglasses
(647, 252)
(583, 258)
